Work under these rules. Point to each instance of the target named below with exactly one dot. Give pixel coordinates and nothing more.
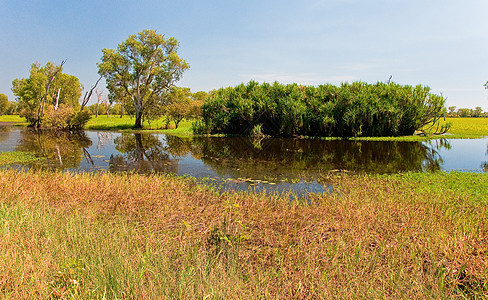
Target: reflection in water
(484, 165)
(283, 157)
(60, 150)
(103, 138)
(237, 157)
(141, 153)
(240, 162)
(4, 133)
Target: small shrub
(79, 121)
(58, 119)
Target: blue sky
(442, 44)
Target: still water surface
(276, 164)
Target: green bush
(350, 110)
(65, 118)
(79, 120)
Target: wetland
(241, 163)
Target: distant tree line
(349, 110)
(477, 112)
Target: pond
(274, 164)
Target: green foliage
(182, 104)
(141, 71)
(118, 109)
(467, 112)
(79, 120)
(257, 131)
(13, 119)
(30, 91)
(4, 104)
(351, 110)
(12, 108)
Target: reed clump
(87, 236)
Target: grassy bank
(461, 127)
(126, 123)
(13, 119)
(468, 127)
(129, 236)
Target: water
(272, 165)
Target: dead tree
(88, 94)
(106, 104)
(57, 100)
(40, 111)
(99, 99)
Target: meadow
(13, 119)
(468, 127)
(126, 123)
(85, 236)
(461, 127)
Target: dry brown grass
(132, 236)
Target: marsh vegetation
(85, 236)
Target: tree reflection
(288, 157)
(60, 150)
(235, 157)
(142, 153)
(4, 133)
(181, 147)
(484, 165)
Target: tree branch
(40, 110)
(85, 100)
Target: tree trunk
(57, 100)
(138, 123)
(40, 111)
(139, 109)
(85, 100)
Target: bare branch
(87, 96)
(40, 111)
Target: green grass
(14, 119)
(17, 157)
(468, 127)
(112, 122)
(82, 236)
(126, 123)
(470, 187)
(461, 127)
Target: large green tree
(46, 86)
(4, 104)
(142, 68)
